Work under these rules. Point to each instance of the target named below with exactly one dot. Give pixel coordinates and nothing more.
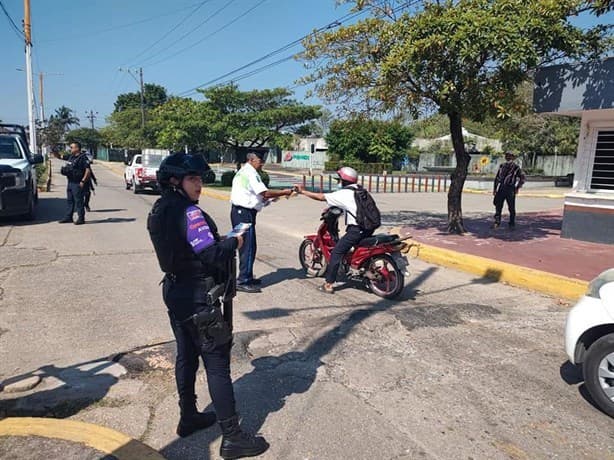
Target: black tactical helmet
(179, 165)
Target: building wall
(589, 214)
(303, 159)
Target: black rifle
(231, 291)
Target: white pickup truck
(140, 174)
(18, 192)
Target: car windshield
(9, 150)
(152, 161)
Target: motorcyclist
(344, 199)
(195, 261)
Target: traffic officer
(248, 196)
(195, 261)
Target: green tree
(254, 118)
(180, 122)
(533, 135)
(464, 58)
(370, 141)
(88, 137)
(124, 130)
(153, 96)
(65, 118)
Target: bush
(362, 168)
(227, 178)
(41, 174)
(209, 177)
(534, 171)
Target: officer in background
(248, 196)
(77, 170)
(195, 261)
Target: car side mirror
(37, 159)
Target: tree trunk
(455, 193)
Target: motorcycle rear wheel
(386, 279)
(312, 259)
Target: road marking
(105, 440)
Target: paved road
(458, 368)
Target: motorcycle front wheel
(312, 259)
(384, 277)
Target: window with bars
(603, 166)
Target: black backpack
(367, 216)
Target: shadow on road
(64, 391)
(49, 209)
(529, 226)
(572, 375)
(110, 220)
(282, 275)
(108, 210)
(273, 379)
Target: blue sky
(72, 37)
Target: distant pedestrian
(77, 170)
(508, 181)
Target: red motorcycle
(376, 262)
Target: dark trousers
(247, 253)
(352, 237)
(216, 361)
(505, 195)
(74, 200)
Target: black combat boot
(191, 420)
(237, 443)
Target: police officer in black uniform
(195, 261)
(77, 170)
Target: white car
(589, 339)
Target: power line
(225, 26)
(94, 33)
(10, 19)
(258, 70)
(286, 47)
(338, 22)
(207, 19)
(174, 28)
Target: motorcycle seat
(377, 239)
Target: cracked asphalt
(459, 367)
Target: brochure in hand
(239, 229)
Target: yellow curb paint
(105, 440)
(529, 278)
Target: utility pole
(42, 94)
(27, 29)
(91, 116)
(139, 80)
(142, 98)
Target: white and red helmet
(348, 174)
